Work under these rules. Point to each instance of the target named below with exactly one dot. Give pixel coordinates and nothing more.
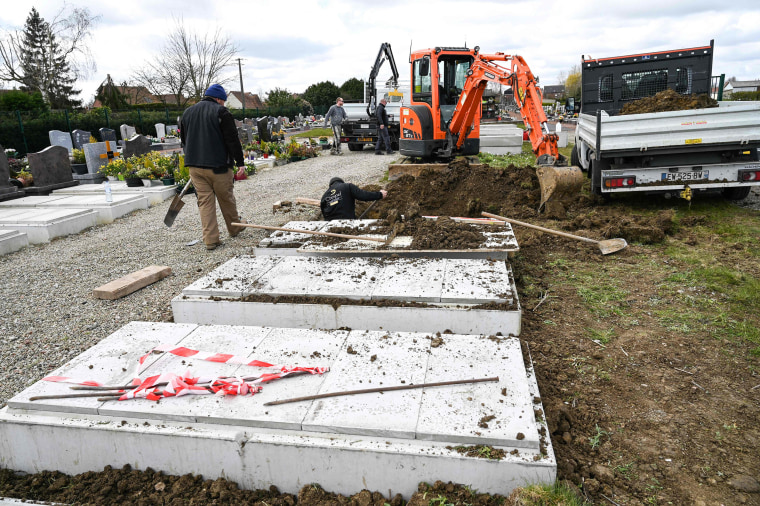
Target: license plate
(685, 176)
(365, 139)
(363, 126)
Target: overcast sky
(294, 43)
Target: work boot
(378, 152)
(213, 246)
(241, 229)
(390, 152)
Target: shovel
(606, 246)
(175, 206)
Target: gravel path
(47, 312)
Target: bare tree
(72, 33)
(188, 64)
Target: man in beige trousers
(212, 148)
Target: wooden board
(131, 282)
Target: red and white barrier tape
(174, 385)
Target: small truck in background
(674, 153)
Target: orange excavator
(442, 119)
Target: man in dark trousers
(382, 133)
(212, 147)
(339, 201)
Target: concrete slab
(235, 441)
(411, 279)
(476, 282)
(210, 311)
(121, 204)
(321, 277)
(281, 243)
(233, 278)
(12, 240)
(42, 224)
(154, 194)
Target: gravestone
(127, 131)
(238, 123)
(172, 130)
(262, 124)
(99, 154)
(107, 134)
(51, 169)
(160, 130)
(59, 138)
(80, 138)
(138, 145)
(7, 190)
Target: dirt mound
(668, 100)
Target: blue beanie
(216, 91)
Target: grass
(596, 439)
(315, 133)
(546, 495)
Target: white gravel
(47, 312)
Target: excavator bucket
(558, 183)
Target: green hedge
(745, 95)
(27, 131)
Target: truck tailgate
(731, 123)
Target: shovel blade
(173, 211)
(612, 245)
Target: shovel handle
(342, 236)
(184, 190)
(541, 229)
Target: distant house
(554, 91)
(235, 101)
(732, 86)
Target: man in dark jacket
(338, 202)
(212, 146)
(383, 133)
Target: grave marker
(59, 138)
(107, 134)
(137, 145)
(51, 169)
(7, 190)
(160, 130)
(80, 138)
(98, 154)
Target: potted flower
(78, 161)
(323, 142)
(25, 177)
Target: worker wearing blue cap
(212, 147)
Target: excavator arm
(527, 96)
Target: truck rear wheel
(355, 146)
(736, 192)
(574, 158)
(595, 170)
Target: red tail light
(620, 182)
(749, 175)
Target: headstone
(59, 138)
(238, 123)
(7, 190)
(249, 133)
(262, 125)
(127, 131)
(138, 145)
(107, 134)
(172, 130)
(99, 154)
(51, 169)
(80, 138)
(160, 130)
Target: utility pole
(242, 91)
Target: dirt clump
(668, 100)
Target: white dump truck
(673, 152)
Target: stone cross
(81, 137)
(59, 138)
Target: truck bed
(730, 124)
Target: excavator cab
(442, 119)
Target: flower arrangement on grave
(250, 168)
(11, 153)
(312, 142)
(17, 165)
(78, 155)
(323, 140)
(115, 167)
(145, 173)
(164, 165)
(181, 173)
(25, 178)
(92, 139)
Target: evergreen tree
(43, 64)
(110, 96)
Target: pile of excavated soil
(668, 100)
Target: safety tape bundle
(176, 385)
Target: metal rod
(73, 396)
(379, 389)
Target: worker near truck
(335, 115)
(382, 125)
(212, 147)
(339, 201)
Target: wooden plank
(131, 282)
(307, 201)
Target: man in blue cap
(212, 147)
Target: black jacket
(209, 136)
(338, 202)
(382, 116)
